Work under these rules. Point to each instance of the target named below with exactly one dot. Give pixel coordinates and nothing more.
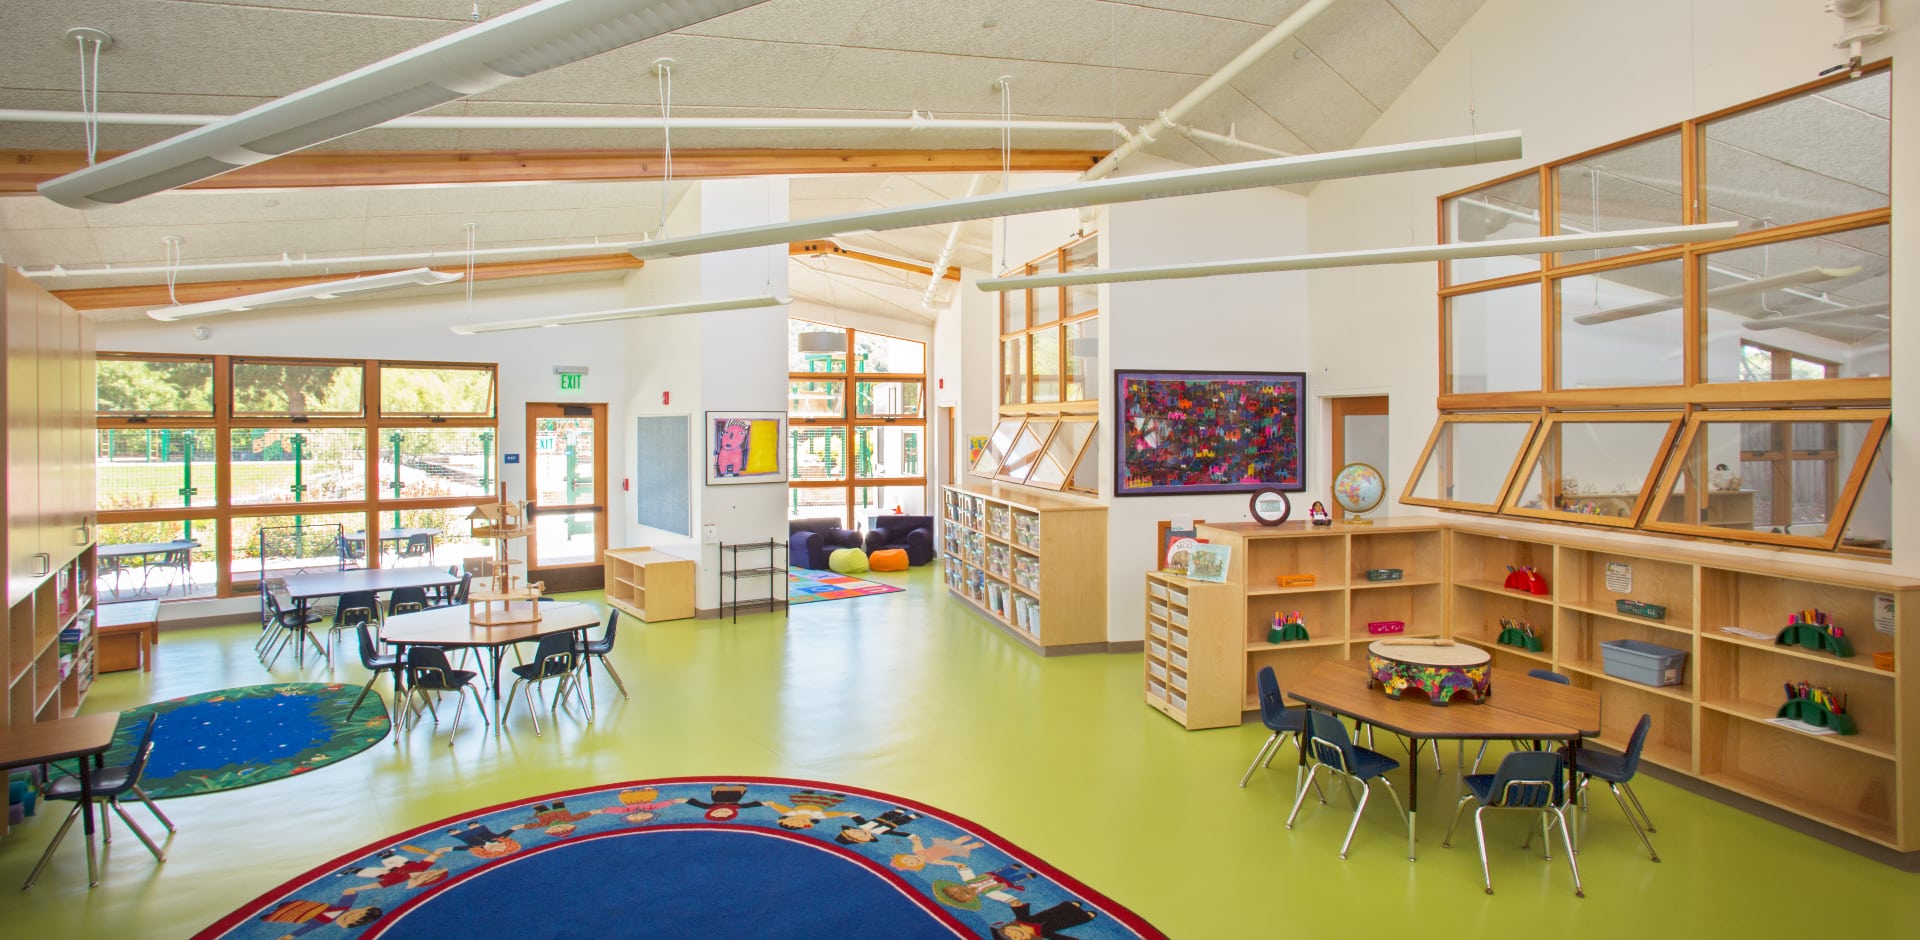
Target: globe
(1358, 488)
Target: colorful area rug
(234, 738)
(805, 587)
(691, 857)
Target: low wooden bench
(126, 633)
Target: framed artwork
(746, 447)
(1164, 545)
(975, 444)
(1209, 432)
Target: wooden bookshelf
(648, 584)
(1191, 677)
(1714, 725)
(1033, 565)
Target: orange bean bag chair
(888, 559)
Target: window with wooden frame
(1050, 337)
(998, 444)
(196, 454)
(1593, 468)
(1787, 478)
(1664, 326)
(1470, 461)
(1793, 312)
(856, 422)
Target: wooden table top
(42, 741)
(335, 583)
(1520, 707)
(127, 614)
(126, 549)
(449, 626)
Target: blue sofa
(811, 541)
(911, 533)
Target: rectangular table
(313, 584)
(399, 537)
(1518, 708)
(141, 550)
(126, 633)
(86, 738)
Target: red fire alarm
(665, 397)
(940, 383)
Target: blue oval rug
(691, 857)
(232, 738)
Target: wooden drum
(1440, 671)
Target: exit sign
(570, 381)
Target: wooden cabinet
(648, 584)
(1033, 565)
(47, 438)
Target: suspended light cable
(663, 82)
(173, 266)
(86, 39)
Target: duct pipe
(286, 261)
(1231, 140)
(917, 121)
(945, 259)
(1218, 80)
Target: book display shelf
(1712, 617)
(1033, 565)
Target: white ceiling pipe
(945, 259)
(1231, 140)
(915, 122)
(1218, 80)
(285, 261)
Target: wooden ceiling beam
(825, 246)
(155, 295)
(22, 170)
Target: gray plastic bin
(1645, 663)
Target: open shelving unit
(648, 584)
(1714, 725)
(1033, 565)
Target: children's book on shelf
(1208, 562)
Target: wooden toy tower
(505, 598)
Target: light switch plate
(710, 533)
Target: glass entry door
(566, 481)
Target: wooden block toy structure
(504, 598)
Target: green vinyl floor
(912, 694)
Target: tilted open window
(1470, 461)
(1594, 468)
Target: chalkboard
(661, 481)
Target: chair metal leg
(506, 708)
(363, 695)
(1644, 818)
(527, 690)
(457, 710)
(139, 833)
(1302, 797)
(479, 705)
(106, 824)
(58, 837)
(608, 666)
(1270, 745)
(1293, 738)
(1394, 795)
(1458, 808)
(1632, 820)
(1566, 834)
(1366, 793)
(144, 798)
(1480, 831)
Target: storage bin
(1642, 662)
(1158, 671)
(1157, 590)
(1159, 629)
(1178, 635)
(1159, 610)
(1178, 597)
(1158, 649)
(1178, 619)
(1178, 659)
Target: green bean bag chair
(848, 561)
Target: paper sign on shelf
(1883, 613)
(1619, 577)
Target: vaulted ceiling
(1106, 63)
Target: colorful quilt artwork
(1210, 432)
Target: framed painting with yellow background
(746, 447)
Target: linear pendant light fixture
(322, 291)
(1665, 235)
(1722, 294)
(1339, 164)
(527, 41)
(624, 313)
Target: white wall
(1573, 76)
(1242, 323)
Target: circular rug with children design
(690, 857)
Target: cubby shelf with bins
(48, 657)
(649, 584)
(1191, 677)
(1004, 550)
(1715, 724)
(1336, 608)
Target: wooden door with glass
(566, 484)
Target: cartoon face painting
(730, 449)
